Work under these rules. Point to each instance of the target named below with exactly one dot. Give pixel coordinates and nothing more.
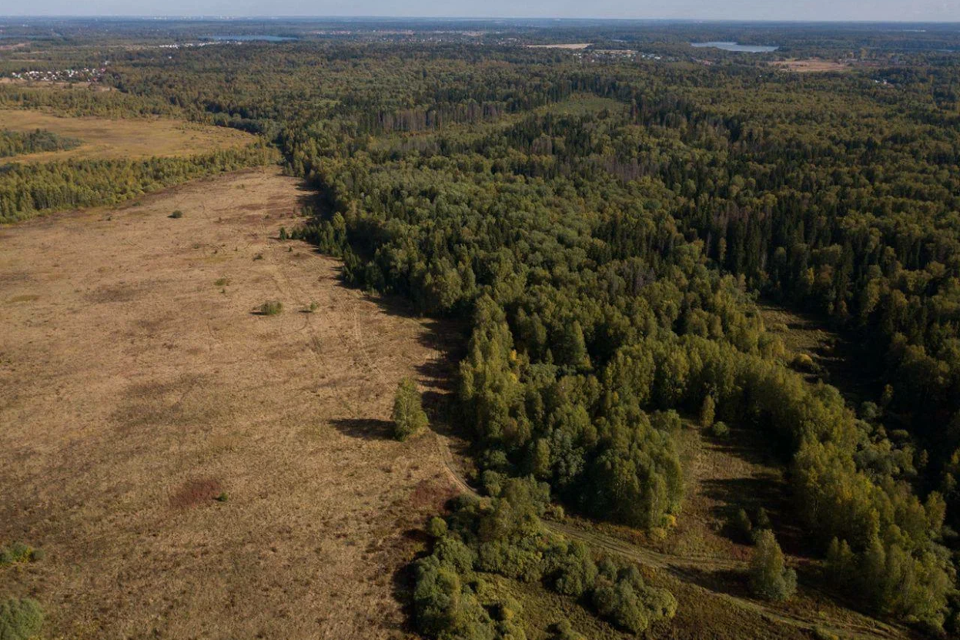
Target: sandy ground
(135, 390)
(130, 138)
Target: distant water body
(733, 46)
(250, 38)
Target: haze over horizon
(802, 10)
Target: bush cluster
(503, 535)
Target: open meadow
(191, 468)
(129, 138)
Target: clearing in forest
(574, 46)
(190, 467)
(811, 65)
(821, 354)
(131, 138)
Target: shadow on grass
(366, 429)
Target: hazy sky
(916, 10)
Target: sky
(873, 10)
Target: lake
(733, 46)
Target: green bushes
(564, 631)
(20, 619)
(271, 308)
(176, 215)
(719, 429)
(19, 552)
(409, 418)
(891, 580)
(503, 535)
(574, 572)
(770, 578)
(622, 597)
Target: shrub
(629, 603)
(803, 362)
(409, 417)
(437, 527)
(445, 607)
(176, 215)
(576, 573)
(271, 308)
(222, 282)
(313, 307)
(451, 551)
(666, 421)
(19, 552)
(564, 631)
(720, 430)
(20, 619)
(770, 578)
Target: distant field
(813, 65)
(581, 104)
(123, 138)
(578, 46)
(190, 468)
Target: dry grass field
(811, 65)
(576, 46)
(133, 138)
(193, 469)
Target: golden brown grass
(132, 393)
(576, 46)
(123, 138)
(811, 65)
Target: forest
(606, 231)
(14, 143)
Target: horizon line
(201, 17)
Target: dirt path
(137, 386)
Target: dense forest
(606, 230)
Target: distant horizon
(455, 18)
(825, 11)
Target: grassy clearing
(581, 104)
(103, 138)
(820, 354)
(247, 461)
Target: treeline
(27, 190)
(15, 143)
(82, 102)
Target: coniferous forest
(608, 229)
